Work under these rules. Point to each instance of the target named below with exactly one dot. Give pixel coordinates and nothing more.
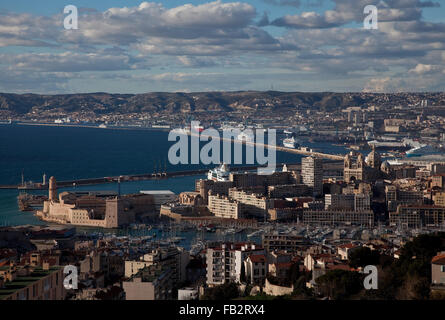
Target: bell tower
(52, 196)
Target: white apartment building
(355, 202)
(224, 263)
(312, 174)
(223, 207)
(251, 204)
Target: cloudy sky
(290, 45)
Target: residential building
(438, 269)
(32, 283)
(337, 217)
(312, 174)
(150, 283)
(222, 206)
(417, 216)
(256, 269)
(224, 262)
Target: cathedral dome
(385, 166)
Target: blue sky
(289, 45)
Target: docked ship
(184, 131)
(198, 128)
(423, 150)
(287, 131)
(290, 143)
(388, 145)
(245, 137)
(220, 173)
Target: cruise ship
(181, 131)
(220, 173)
(387, 145)
(290, 143)
(423, 150)
(198, 128)
(245, 137)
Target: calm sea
(73, 152)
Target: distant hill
(241, 101)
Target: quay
(125, 178)
(278, 148)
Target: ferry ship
(198, 128)
(422, 150)
(244, 137)
(220, 173)
(181, 131)
(290, 143)
(388, 145)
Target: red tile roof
(439, 259)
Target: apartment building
(224, 262)
(312, 174)
(355, 202)
(223, 207)
(32, 283)
(173, 258)
(251, 204)
(287, 190)
(395, 197)
(337, 217)
(438, 270)
(204, 186)
(150, 283)
(282, 242)
(417, 216)
(439, 199)
(256, 269)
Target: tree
(340, 284)
(363, 256)
(227, 291)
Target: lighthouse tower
(52, 189)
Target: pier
(127, 178)
(278, 148)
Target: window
(442, 268)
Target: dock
(127, 178)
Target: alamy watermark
(371, 280)
(371, 20)
(71, 20)
(210, 153)
(71, 279)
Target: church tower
(52, 189)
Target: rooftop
(439, 259)
(21, 282)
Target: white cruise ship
(220, 173)
(290, 143)
(181, 131)
(245, 137)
